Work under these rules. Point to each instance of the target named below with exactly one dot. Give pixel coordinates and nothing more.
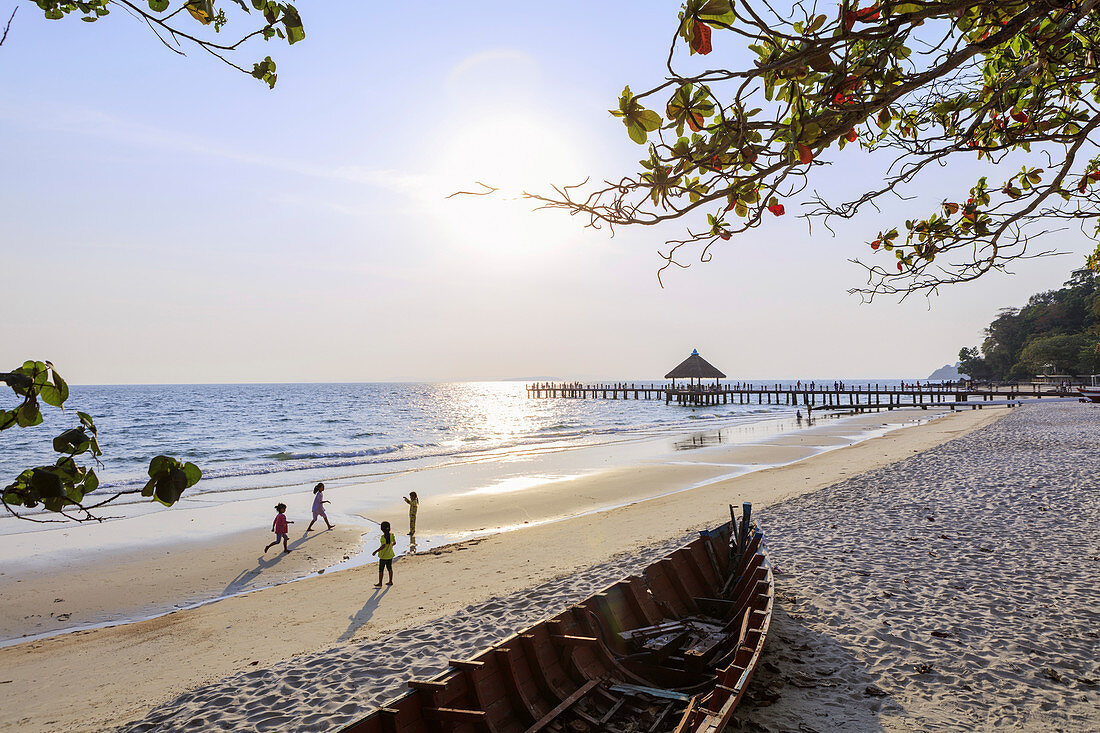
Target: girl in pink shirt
(279, 527)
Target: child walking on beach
(414, 504)
(319, 507)
(385, 553)
(279, 527)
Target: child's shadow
(363, 615)
(263, 562)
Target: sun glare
(512, 153)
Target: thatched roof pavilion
(695, 367)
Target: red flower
(899, 265)
(805, 155)
(777, 209)
(1021, 117)
(875, 244)
(851, 136)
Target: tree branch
(8, 26)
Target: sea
(246, 436)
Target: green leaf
(73, 441)
(55, 394)
(68, 466)
(650, 120)
(158, 6)
(28, 415)
(720, 11)
(265, 71)
(161, 464)
(170, 486)
(55, 503)
(46, 483)
(293, 23)
(193, 473)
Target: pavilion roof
(695, 367)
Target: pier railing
(809, 396)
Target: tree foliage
(189, 22)
(63, 487)
(924, 82)
(1057, 331)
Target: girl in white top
(319, 507)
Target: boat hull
(671, 650)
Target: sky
(168, 219)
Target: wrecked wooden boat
(670, 651)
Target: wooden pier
(857, 398)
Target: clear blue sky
(169, 219)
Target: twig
(8, 26)
(489, 190)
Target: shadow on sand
(363, 615)
(806, 681)
(265, 562)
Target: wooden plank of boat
(651, 691)
(563, 706)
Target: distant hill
(947, 372)
(1057, 332)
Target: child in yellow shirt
(385, 553)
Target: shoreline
(266, 627)
(175, 571)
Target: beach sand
(319, 652)
(957, 590)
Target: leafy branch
(281, 20)
(63, 487)
(930, 82)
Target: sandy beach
(318, 652)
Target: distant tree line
(1057, 332)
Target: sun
(510, 151)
